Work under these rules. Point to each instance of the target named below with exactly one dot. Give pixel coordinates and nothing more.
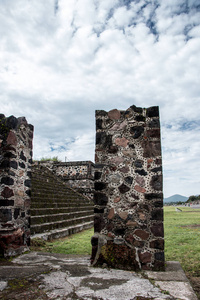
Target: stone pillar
(128, 198)
(15, 181)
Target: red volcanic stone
(114, 114)
(131, 223)
(139, 189)
(121, 142)
(12, 139)
(7, 192)
(111, 213)
(142, 216)
(123, 215)
(145, 257)
(141, 234)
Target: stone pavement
(57, 276)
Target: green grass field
(182, 238)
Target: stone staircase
(57, 210)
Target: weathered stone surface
(145, 257)
(138, 164)
(111, 213)
(114, 114)
(117, 199)
(6, 202)
(157, 214)
(117, 160)
(129, 180)
(153, 133)
(22, 156)
(12, 139)
(123, 142)
(124, 170)
(140, 180)
(15, 181)
(141, 172)
(7, 192)
(136, 131)
(123, 215)
(132, 174)
(151, 148)
(99, 186)
(100, 199)
(153, 111)
(141, 234)
(99, 124)
(157, 244)
(157, 229)
(139, 189)
(98, 223)
(131, 223)
(156, 182)
(123, 188)
(154, 123)
(97, 175)
(5, 215)
(160, 256)
(7, 180)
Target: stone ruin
(128, 198)
(15, 180)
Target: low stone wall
(128, 196)
(15, 177)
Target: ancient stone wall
(128, 194)
(15, 171)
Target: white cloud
(60, 62)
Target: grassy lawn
(79, 243)
(182, 238)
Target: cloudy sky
(60, 60)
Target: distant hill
(175, 198)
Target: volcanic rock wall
(79, 175)
(128, 194)
(15, 161)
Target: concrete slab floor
(38, 275)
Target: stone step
(56, 196)
(41, 219)
(63, 232)
(60, 224)
(49, 204)
(45, 211)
